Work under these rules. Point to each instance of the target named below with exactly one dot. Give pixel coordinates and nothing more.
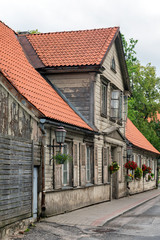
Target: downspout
(43, 141)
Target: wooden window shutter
(105, 158)
(57, 172)
(83, 164)
(75, 165)
(95, 165)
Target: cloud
(139, 19)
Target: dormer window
(113, 65)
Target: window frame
(118, 101)
(113, 65)
(104, 91)
(89, 180)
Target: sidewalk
(99, 214)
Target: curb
(102, 221)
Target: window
(104, 100)
(113, 65)
(65, 167)
(88, 165)
(139, 161)
(116, 105)
(153, 168)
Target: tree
(33, 31)
(145, 99)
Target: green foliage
(145, 99)
(114, 167)
(138, 173)
(130, 54)
(61, 158)
(34, 31)
(27, 230)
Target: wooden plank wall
(16, 158)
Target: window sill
(103, 115)
(88, 185)
(113, 70)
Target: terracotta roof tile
(74, 48)
(16, 68)
(137, 138)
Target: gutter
(51, 122)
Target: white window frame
(116, 104)
(66, 151)
(139, 160)
(88, 164)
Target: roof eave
(50, 121)
(143, 149)
(69, 69)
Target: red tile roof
(16, 68)
(74, 48)
(137, 138)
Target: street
(140, 223)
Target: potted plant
(129, 177)
(138, 173)
(149, 177)
(61, 158)
(152, 176)
(114, 167)
(131, 165)
(145, 170)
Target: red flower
(131, 165)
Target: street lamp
(129, 151)
(60, 133)
(60, 136)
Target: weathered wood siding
(15, 119)
(113, 78)
(78, 88)
(15, 179)
(19, 151)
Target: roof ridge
(8, 27)
(105, 43)
(70, 31)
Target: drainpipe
(43, 141)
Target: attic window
(113, 65)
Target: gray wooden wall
(16, 165)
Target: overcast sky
(138, 19)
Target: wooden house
(30, 111)
(88, 68)
(77, 80)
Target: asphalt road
(141, 223)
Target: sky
(137, 19)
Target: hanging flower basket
(131, 165)
(149, 178)
(145, 170)
(129, 178)
(138, 173)
(61, 158)
(114, 167)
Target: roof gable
(134, 136)
(74, 48)
(28, 82)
